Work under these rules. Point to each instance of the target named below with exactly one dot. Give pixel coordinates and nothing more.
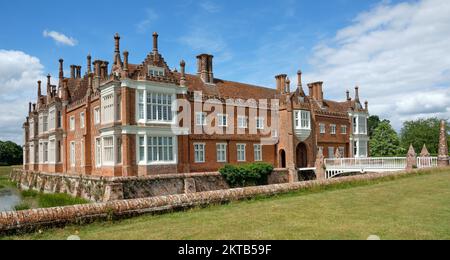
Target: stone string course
(30, 220)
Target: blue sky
(389, 48)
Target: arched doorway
(302, 156)
(282, 162)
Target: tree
(10, 153)
(385, 141)
(372, 124)
(420, 132)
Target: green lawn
(416, 207)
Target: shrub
(22, 206)
(246, 175)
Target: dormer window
(156, 71)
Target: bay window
(52, 150)
(108, 150)
(108, 109)
(360, 124)
(52, 119)
(155, 107)
(302, 119)
(156, 150)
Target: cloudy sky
(396, 51)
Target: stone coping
(30, 220)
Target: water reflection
(8, 199)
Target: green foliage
(22, 206)
(30, 194)
(246, 175)
(420, 132)
(58, 200)
(372, 124)
(385, 141)
(10, 154)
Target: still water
(8, 199)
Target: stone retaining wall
(99, 189)
(32, 219)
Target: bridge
(337, 167)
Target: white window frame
(82, 120)
(111, 148)
(222, 152)
(72, 123)
(108, 109)
(333, 129)
(72, 154)
(52, 118)
(241, 152)
(199, 152)
(222, 120)
(200, 119)
(344, 129)
(260, 121)
(258, 152)
(242, 122)
(98, 152)
(151, 103)
(154, 71)
(97, 116)
(165, 148)
(302, 120)
(323, 128)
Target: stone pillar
(320, 166)
(411, 159)
(443, 146)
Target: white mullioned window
(156, 150)
(98, 152)
(333, 129)
(362, 124)
(52, 119)
(72, 123)
(222, 153)
(258, 152)
(156, 71)
(45, 124)
(142, 149)
(97, 116)
(72, 154)
(302, 119)
(108, 150)
(199, 152)
(31, 129)
(323, 129)
(119, 107)
(52, 151)
(155, 107)
(41, 123)
(200, 119)
(260, 123)
(45, 152)
(343, 129)
(241, 149)
(222, 120)
(108, 109)
(82, 120)
(242, 122)
(363, 149)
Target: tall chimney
(210, 68)
(277, 78)
(65, 91)
(72, 71)
(97, 68)
(39, 89)
(117, 59)
(61, 68)
(49, 90)
(311, 90)
(348, 96)
(288, 85)
(29, 107)
(357, 94)
(125, 60)
(205, 67)
(89, 61)
(78, 72)
(366, 107)
(34, 107)
(155, 43)
(183, 73)
(283, 78)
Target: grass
(34, 199)
(416, 207)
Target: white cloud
(398, 54)
(210, 6)
(60, 38)
(19, 73)
(145, 24)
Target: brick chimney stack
(205, 68)
(125, 60)
(34, 107)
(183, 73)
(348, 96)
(65, 91)
(117, 58)
(288, 85)
(72, 71)
(89, 61)
(49, 90)
(97, 67)
(39, 89)
(155, 43)
(78, 72)
(281, 83)
(316, 91)
(357, 94)
(300, 83)
(61, 68)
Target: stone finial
(411, 159)
(443, 146)
(357, 93)
(425, 152)
(29, 107)
(183, 73)
(320, 166)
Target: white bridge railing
(335, 167)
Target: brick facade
(121, 120)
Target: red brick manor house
(122, 119)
